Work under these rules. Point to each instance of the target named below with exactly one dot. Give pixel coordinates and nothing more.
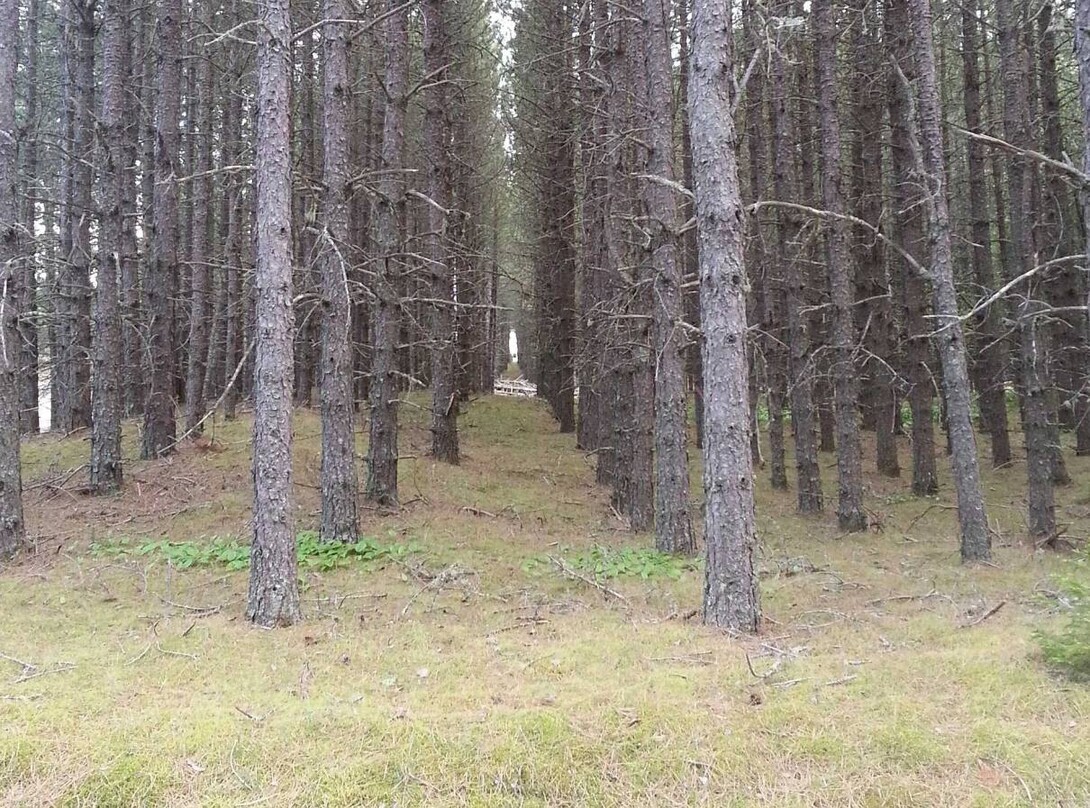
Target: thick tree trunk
(731, 599)
(163, 269)
(850, 514)
(339, 479)
(386, 279)
(274, 588)
(12, 526)
(800, 365)
(673, 526)
(437, 133)
(106, 470)
(973, 523)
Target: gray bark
(789, 246)
(339, 479)
(731, 599)
(385, 312)
(437, 133)
(972, 520)
(850, 514)
(163, 268)
(673, 526)
(28, 281)
(106, 469)
(12, 526)
(274, 588)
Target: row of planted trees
(284, 204)
(815, 212)
(912, 234)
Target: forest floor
(463, 666)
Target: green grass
(474, 673)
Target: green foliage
(1068, 650)
(622, 562)
(313, 553)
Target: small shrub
(1068, 650)
(313, 554)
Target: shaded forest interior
(775, 269)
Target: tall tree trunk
(973, 523)
(27, 287)
(106, 470)
(274, 588)
(1032, 353)
(12, 526)
(906, 167)
(991, 348)
(850, 514)
(731, 598)
(339, 480)
(789, 248)
(673, 527)
(437, 134)
(162, 275)
(385, 312)
(199, 253)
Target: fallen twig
(892, 598)
(566, 569)
(990, 613)
(61, 668)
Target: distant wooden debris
(515, 388)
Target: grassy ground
(474, 673)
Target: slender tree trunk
(274, 588)
(1032, 354)
(385, 312)
(850, 513)
(437, 134)
(199, 254)
(163, 269)
(27, 288)
(12, 526)
(731, 598)
(973, 522)
(106, 470)
(991, 348)
(906, 164)
(789, 255)
(1082, 58)
(339, 480)
(673, 527)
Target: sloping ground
(474, 672)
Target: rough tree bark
(12, 526)
(972, 520)
(385, 311)
(1032, 339)
(106, 470)
(28, 280)
(673, 526)
(789, 244)
(199, 253)
(991, 357)
(731, 599)
(339, 479)
(274, 588)
(444, 405)
(1082, 57)
(163, 268)
(850, 514)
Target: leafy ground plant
(622, 562)
(313, 553)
